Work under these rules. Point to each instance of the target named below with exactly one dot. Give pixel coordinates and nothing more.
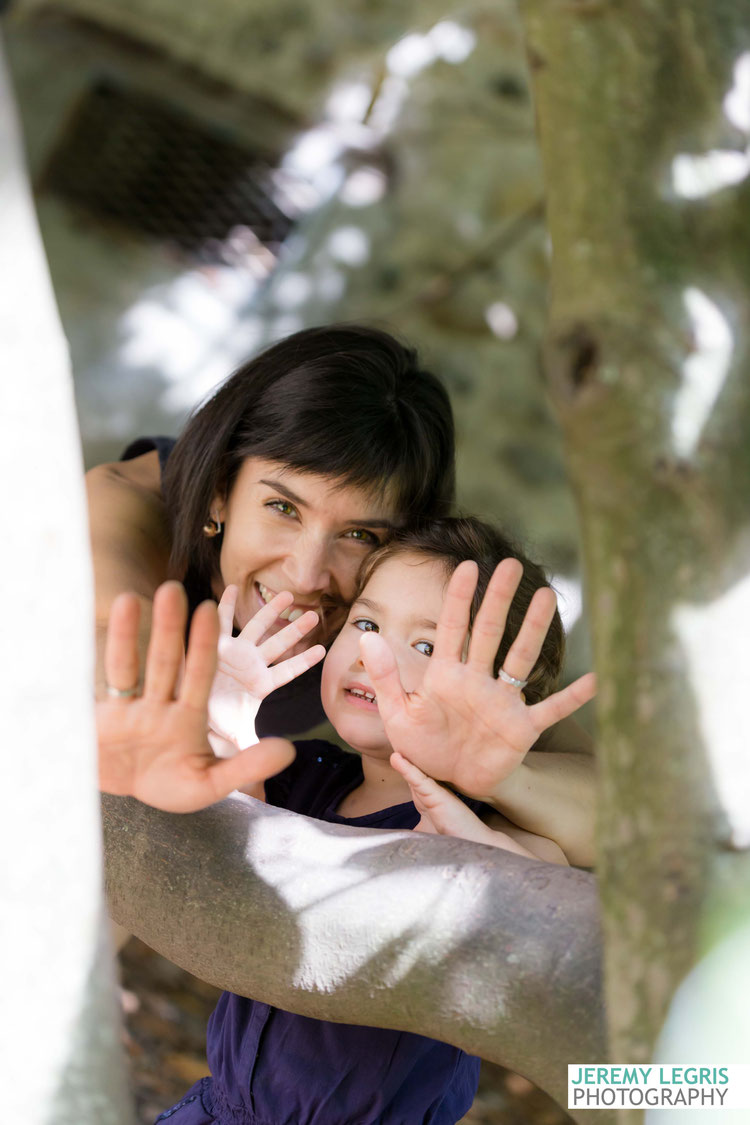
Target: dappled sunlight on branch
(413, 906)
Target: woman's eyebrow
(282, 488)
(277, 486)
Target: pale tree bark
(643, 114)
(487, 950)
(59, 1034)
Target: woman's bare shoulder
(129, 528)
(140, 474)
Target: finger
(121, 646)
(416, 780)
(447, 814)
(226, 610)
(453, 623)
(200, 662)
(489, 624)
(563, 703)
(524, 652)
(288, 637)
(381, 667)
(410, 773)
(166, 645)
(267, 758)
(262, 621)
(427, 793)
(289, 669)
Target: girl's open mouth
(362, 697)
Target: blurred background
(210, 177)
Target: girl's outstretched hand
(462, 725)
(155, 746)
(441, 811)
(246, 672)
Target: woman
(284, 480)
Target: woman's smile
(266, 594)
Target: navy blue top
(270, 1067)
(291, 709)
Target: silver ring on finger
(512, 680)
(121, 693)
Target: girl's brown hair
(452, 541)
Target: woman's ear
(218, 507)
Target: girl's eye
(425, 647)
(282, 506)
(361, 535)
(365, 625)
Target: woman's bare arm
(553, 792)
(129, 541)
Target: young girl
(411, 678)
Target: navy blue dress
(270, 1067)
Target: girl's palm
(246, 672)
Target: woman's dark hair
(345, 401)
(453, 540)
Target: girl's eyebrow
(375, 607)
(295, 499)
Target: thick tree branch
(492, 952)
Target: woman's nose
(307, 568)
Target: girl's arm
(443, 813)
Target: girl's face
(402, 600)
(289, 530)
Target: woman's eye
(361, 535)
(365, 625)
(425, 647)
(282, 506)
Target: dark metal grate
(133, 160)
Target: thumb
(382, 670)
(265, 759)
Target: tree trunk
(60, 1043)
(647, 360)
(458, 941)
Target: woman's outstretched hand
(246, 672)
(462, 725)
(155, 746)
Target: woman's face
(289, 530)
